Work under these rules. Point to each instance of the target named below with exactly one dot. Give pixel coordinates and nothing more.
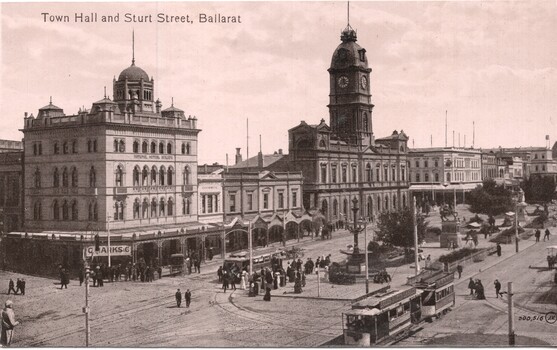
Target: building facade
(210, 194)
(343, 160)
(439, 174)
(11, 191)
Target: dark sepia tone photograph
(278, 174)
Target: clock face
(363, 81)
(343, 81)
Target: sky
(493, 64)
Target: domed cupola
(133, 72)
(348, 53)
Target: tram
(239, 261)
(381, 316)
(438, 294)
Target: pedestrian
(81, 277)
(159, 271)
(267, 296)
(546, 234)
(17, 286)
(428, 261)
(178, 297)
(8, 324)
(537, 234)
(187, 296)
(498, 249)
(198, 265)
(472, 286)
(22, 286)
(243, 279)
(11, 286)
(459, 270)
(549, 262)
(219, 273)
(497, 288)
(232, 278)
(188, 264)
(63, 279)
(480, 294)
(225, 281)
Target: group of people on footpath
(476, 288)
(19, 286)
(187, 297)
(538, 233)
(8, 323)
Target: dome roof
(348, 53)
(50, 107)
(133, 72)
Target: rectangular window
(426, 163)
(250, 201)
(403, 174)
(344, 174)
(334, 174)
(417, 164)
(203, 203)
(210, 204)
(265, 201)
(281, 200)
(417, 177)
(232, 200)
(386, 178)
(393, 173)
(294, 199)
(323, 174)
(354, 174)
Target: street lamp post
(108, 233)
(356, 231)
(415, 224)
(367, 262)
(516, 225)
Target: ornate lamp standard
(356, 230)
(356, 258)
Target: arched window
(65, 210)
(94, 145)
(183, 148)
(369, 173)
(394, 202)
(115, 145)
(55, 210)
(162, 206)
(188, 148)
(119, 213)
(92, 177)
(170, 176)
(74, 177)
(74, 211)
(153, 208)
(378, 204)
(37, 178)
(119, 176)
(65, 147)
(95, 211)
(186, 208)
(121, 146)
(37, 211)
(335, 207)
(55, 178)
(65, 177)
(370, 208)
(145, 208)
(56, 148)
(162, 176)
(404, 200)
(145, 176)
(387, 202)
(136, 146)
(187, 175)
(153, 175)
(89, 146)
(136, 209)
(170, 209)
(345, 209)
(144, 147)
(136, 176)
(161, 148)
(169, 148)
(153, 147)
(448, 177)
(365, 122)
(74, 146)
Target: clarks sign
(115, 250)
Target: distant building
(11, 191)
(210, 193)
(536, 161)
(437, 174)
(489, 165)
(10, 146)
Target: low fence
(470, 259)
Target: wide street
(145, 314)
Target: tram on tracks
(438, 295)
(382, 317)
(239, 261)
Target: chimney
(238, 155)
(280, 151)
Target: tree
(490, 198)
(539, 188)
(397, 228)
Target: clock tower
(350, 104)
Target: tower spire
(133, 47)
(348, 13)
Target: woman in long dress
(243, 279)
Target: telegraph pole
(86, 308)
(416, 262)
(511, 314)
